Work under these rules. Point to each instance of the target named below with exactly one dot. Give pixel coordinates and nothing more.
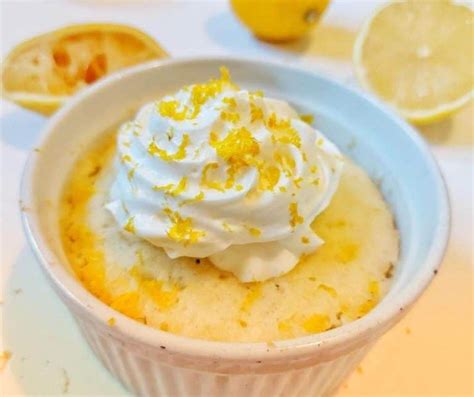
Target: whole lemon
(279, 20)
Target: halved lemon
(43, 72)
(418, 56)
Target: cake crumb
(378, 182)
(389, 272)
(352, 144)
(23, 207)
(66, 381)
(307, 118)
(111, 321)
(95, 171)
(5, 356)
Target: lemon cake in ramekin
(341, 245)
(92, 260)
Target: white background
(430, 353)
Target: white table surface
(430, 353)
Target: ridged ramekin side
(149, 378)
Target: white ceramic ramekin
(156, 363)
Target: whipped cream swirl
(215, 171)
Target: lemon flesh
(418, 56)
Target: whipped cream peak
(216, 171)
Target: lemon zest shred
(330, 290)
(181, 229)
(307, 118)
(200, 94)
(130, 225)
(198, 197)
(257, 93)
(239, 147)
(295, 218)
(297, 182)
(172, 189)
(282, 131)
(286, 162)
(170, 110)
(255, 232)
(227, 227)
(131, 173)
(268, 177)
(206, 182)
(125, 158)
(180, 153)
(232, 117)
(231, 102)
(256, 113)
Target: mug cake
(219, 213)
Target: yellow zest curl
(295, 218)
(182, 229)
(172, 189)
(180, 154)
(282, 131)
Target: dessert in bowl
(204, 217)
(239, 242)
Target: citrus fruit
(418, 56)
(279, 20)
(43, 72)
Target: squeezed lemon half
(418, 56)
(42, 73)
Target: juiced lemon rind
(46, 103)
